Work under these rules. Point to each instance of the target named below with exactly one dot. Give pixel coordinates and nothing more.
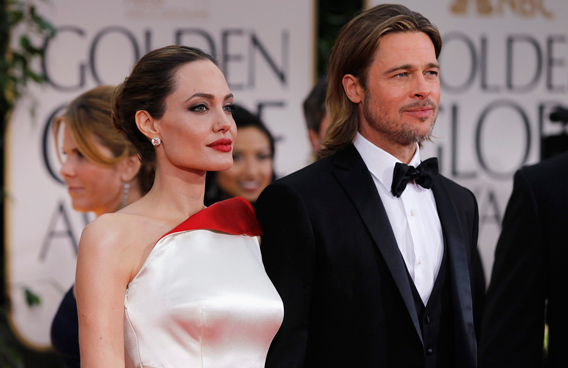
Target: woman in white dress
(166, 282)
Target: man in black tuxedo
(375, 261)
(529, 278)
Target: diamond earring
(156, 141)
(125, 195)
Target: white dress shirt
(413, 217)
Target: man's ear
(352, 88)
(129, 168)
(147, 124)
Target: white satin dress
(202, 298)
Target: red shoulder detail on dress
(233, 216)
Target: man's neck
(404, 153)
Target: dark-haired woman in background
(103, 174)
(253, 162)
(166, 280)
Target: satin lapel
(459, 265)
(356, 180)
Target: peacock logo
(488, 8)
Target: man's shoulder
(556, 166)
(452, 185)
(546, 179)
(308, 173)
(308, 186)
(313, 183)
(322, 170)
(460, 195)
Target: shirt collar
(379, 162)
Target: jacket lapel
(459, 267)
(354, 177)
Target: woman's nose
(67, 169)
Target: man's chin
(413, 136)
(424, 138)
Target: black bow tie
(424, 175)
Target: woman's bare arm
(104, 268)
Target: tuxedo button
(428, 320)
(429, 351)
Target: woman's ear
(352, 88)
(147, 124)
(130, 166)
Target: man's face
(400, 102)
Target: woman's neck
(175, 196)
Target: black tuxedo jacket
(529, 279)
(329, 249)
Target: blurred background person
(316, 116)
(253, 162)
(103, 174)
(528, 282)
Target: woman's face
(252, 166)
(197, 129)
(92, 187)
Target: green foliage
(545, 345)
(20, 24)
(332, 16)
(10, 355)
(32, 299)
(16, 56)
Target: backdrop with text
(504, 70)
(265, 49)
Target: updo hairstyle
(152, 80)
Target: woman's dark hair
(146, 89)
(243, 119)
(314, 106)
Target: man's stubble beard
(404, 133)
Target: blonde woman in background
(103, 174)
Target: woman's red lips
(223, 145)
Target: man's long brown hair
(353, 53)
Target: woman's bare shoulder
(119, 236)
(113, 228)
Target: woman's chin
(221, 166)
(250, 196)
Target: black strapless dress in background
(65, 331)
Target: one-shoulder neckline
(234, 216)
